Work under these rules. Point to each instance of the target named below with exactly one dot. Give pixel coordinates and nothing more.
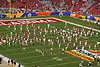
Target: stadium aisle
(4, 64)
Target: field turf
(32, 55)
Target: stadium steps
(90, 7)
(62, 3)
(93, 7)
(72, 6)
(46, 4)
(87, 4)
(31, 2)
(51, 5)
(95, 10)
(78, 5)
(15, 5)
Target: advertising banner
(17, 15)
(43, 13)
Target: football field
(32, 56)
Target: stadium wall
(82, 16)
(18, 15)
(57, 14)
(89, 17)
(2, 16)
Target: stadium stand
(95, 10)
(74, 6)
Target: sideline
(77, 25)
(6, 60)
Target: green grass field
(31, 57)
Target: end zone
(29, 21)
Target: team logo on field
(57, 58)
(29, 21)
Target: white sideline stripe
(6, 60)
(62, 64)
(38, 56)
(78, 25)
(47, 60)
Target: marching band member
(54, 30)
(38, 26)
(67, 46)
(63, 50)
(40, 39)
(80, 42)
(52, 42)
(89, 46)
(59, 45)
(97, 33)
(48, 26)
(44, 40)
(24, 48)
(85, 43)
(51, 50)
(14, 27)
(73, 44)
(95, 45)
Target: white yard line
(46, 60)
(78, 25)
(21, 48)
(38, 55)
(62, 64)
(29, 52)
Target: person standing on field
(42, 52)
